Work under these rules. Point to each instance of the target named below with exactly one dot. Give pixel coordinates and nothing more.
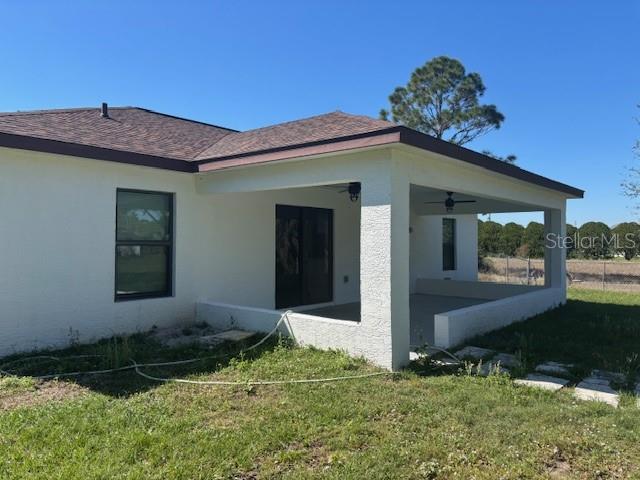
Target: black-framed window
(448, 244)
(144, 244)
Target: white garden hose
(137, 366)
(255, 382)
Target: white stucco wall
(426, 248)
(304, 329)
(454, 327)
(240, 253)
(57, 243)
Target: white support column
(384, 268)
(555, 255)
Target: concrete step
(554, 368)
(474, 353)
(597, 388)
(545, 382)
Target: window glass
(144, 244)
(448, 244)
(141, 269)
(143, 216)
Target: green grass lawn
(406, 426)
(595, 329)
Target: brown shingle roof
(143, 137)
(129, 129)
(298, 132)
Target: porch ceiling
(421, 198)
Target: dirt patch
(315, 455)
(559, 469)
(41, 393)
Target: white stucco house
(113, 220)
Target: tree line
(593, 240)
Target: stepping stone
(610, 376)
(209, 341)
(424, 351)
(598, 389)
(226, 336)
(545, 382)
(476, 353)
(445, 361)
(554, 368)
(181, 335)
(506, 360)
(234, 335)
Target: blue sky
(565, 74)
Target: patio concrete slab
(344, 311)
(545, 382)
(474, 353)
(597, 388)
(422, 310)
(424, 307)
(554, 368)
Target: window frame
(454, 245)
(169, 244)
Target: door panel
(304, 255)
(288, 265)
(317, 257)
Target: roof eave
(387, 136)
(24, 142)
(396, 134)
(435, 145)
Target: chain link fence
(614, 275)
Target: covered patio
(395, 265)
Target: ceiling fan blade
(465, 201)
(441, 203)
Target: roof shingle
(128, 129)
(314, 129)
(144, 137)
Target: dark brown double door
(304, 255)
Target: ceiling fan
(354, 191)
(449, 203)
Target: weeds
(117, 352)
(12, 384)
